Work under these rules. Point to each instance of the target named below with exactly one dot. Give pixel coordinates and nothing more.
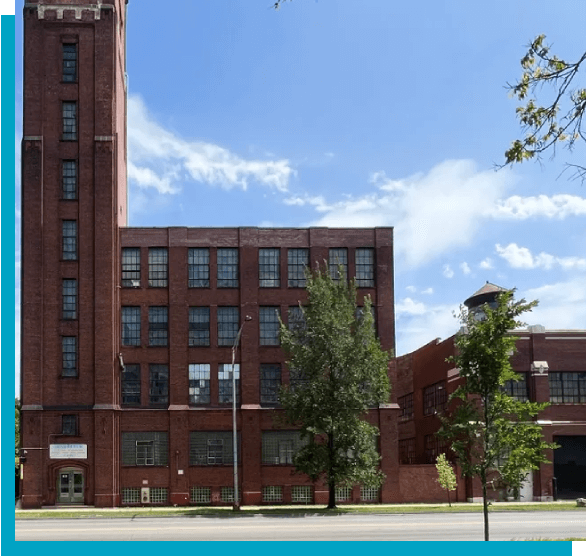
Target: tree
(338, 372)
(493, 435)
(556, 120)
(446, 476)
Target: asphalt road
(367, 527)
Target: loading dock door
(569, 466)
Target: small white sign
(68, 451)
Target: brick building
(553, 366)
(127, 333)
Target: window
(158, 385)
(131, 326)
(406, 404)
(434, 398)
(199, 384)
(225, 383)
(227, 494)
(201, 495)
(272, 494)
(517, 388)
(69, 121)
(369, 494)
(69, 355)
(69, 179)
(69, 425)
(296, 318)
(159, 495)
(567, 387)
(407, 451)
(69, 299)
(434, 446)
(269, 326)
(69, 240)
(227, 325)
(268, 268)
(343, 494)
(70, 63)
(145, 448)
(158, 267)
(227, 268)
(365, 268)
(337, 258)
(301, 494)
(131, 496)
(131, 267)
(199, 326)
(198, 268)
(297, 262)
(297, 379)
(279, 447)
(158, 326)
(270, 384)
(130, 386)
(211, 448)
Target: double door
(70, 486)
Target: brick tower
(73, 203)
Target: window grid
(272, 494)
(297, 379)
(69, 121)
(517, 388)
(211, 448)
(199, 384)
(406, 404)
(131, 326)
(280, 447)
(270, 384)
(130, 387)
(227, 268)
(145, 452)
(567, 387)
(228, 318)
(158, 495)
(269, 272)
(225, 383)
(69, 63)
(69, 299)
(365, 268)
(69, 425)
(159, 453)
(69, 355)
(158, 385)
(407, 451)
(198, 260)
(131, 267)
(158, 267)
(158, 326)
(343, 494)
(201, 495)
(69, 179)
(227, 494)
(297, 263)
(434, 398)
(69, 228)
(269, 326)
(338, 257)
(296, 318)
(433, 446)
(369, 494)
(199, 326)
(131, 496)
(301, 494)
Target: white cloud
(428, 291)
(411, 289)
(486, 264)
(318, 202)
(157, 158)
(432, 213)
(409, 307)
(556, 206)
(521, 257)
(465, 268)
(447, 271)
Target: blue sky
(359, 113)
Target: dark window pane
(227, 268)
(269, 326)
(297, 262)
(337, 258)
(131, 385)
(158, 326)
(69, 63)
(225, 383)
(69, 425)
(69, 299)
(158, 267)
(69, 121)
(270, 384)
(131, 267)
(131, 326)
(199, 268)
(69, 240)
(365, 268)
(199, 326)
(158, 385)
(269, 268)
(227, 325)
(199, 384)
(69, 179)
(69, 355)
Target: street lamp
(236, 505)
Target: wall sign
(68, 451)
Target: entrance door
(70, 487)
(569, 466)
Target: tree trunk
(331, 478)
(332, 498)
(449, 501)
(484, 504)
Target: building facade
(552, 364)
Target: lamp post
(236, 505)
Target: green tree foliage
(338, 371)
(446, 476)
(493, 435)
(551, 120)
